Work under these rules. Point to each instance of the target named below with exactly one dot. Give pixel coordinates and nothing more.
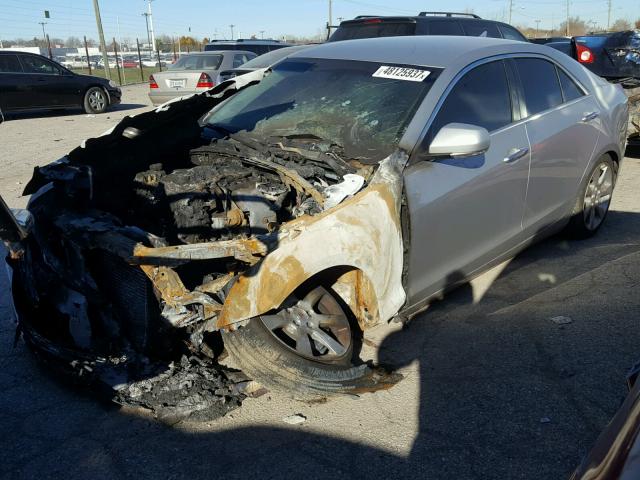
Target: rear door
(465, 212)
(13, 94)
(563, 126)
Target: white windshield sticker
(401, 73)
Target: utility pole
(103, 45)
(608, 15)
(146, 17)
(44, 35)
(330, 18)
(567, 24)
(119, 35)
(510, 10)
(261, 34)
(231, 27)
(537, 27)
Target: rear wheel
(592, 204)
(95, 100)
(305, 349)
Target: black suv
(426, 23)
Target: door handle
(590, 116)
(515, 154)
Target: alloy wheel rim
(597, 196)
(315, 327)
(96, 100)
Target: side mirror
(460, 140)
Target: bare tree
(576, 27)
(73, 42)
(620, 25)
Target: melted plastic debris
(193, 388)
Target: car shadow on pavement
(507, 388)
(47, 113)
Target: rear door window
(10, 64)
(475, 28)
(481, 97)
(511, 33)
(240, 59)
(445, 27)
(570, 91)
(373, 28)
(540, 84)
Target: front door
(465, 212)
(52, 86)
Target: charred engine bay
(83, 305)
(235, 187)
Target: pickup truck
(614, 56)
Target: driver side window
(32, 64)
(481, 97)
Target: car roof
(431, 50)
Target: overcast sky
(211, 18)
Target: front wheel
(594, 199)
(305, 349)
(95, 100)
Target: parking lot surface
(496, 385)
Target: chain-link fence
(127, 64)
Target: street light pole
(103, 45)
(537, 27)
(150, 17)
(261, 34)
(231, 27)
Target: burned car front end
(197, 218)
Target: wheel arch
(360, 239)
(90, 86)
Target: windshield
(197, 62)
(348, 103)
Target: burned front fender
(362, 233)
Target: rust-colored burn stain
(216, 285)
(166, 282)
(278, 279)
(248, 250)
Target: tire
(95, 100)
(594, 199)
(266, 358)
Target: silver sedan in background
(194, 73)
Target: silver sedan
(347, 186)
(194, 73)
